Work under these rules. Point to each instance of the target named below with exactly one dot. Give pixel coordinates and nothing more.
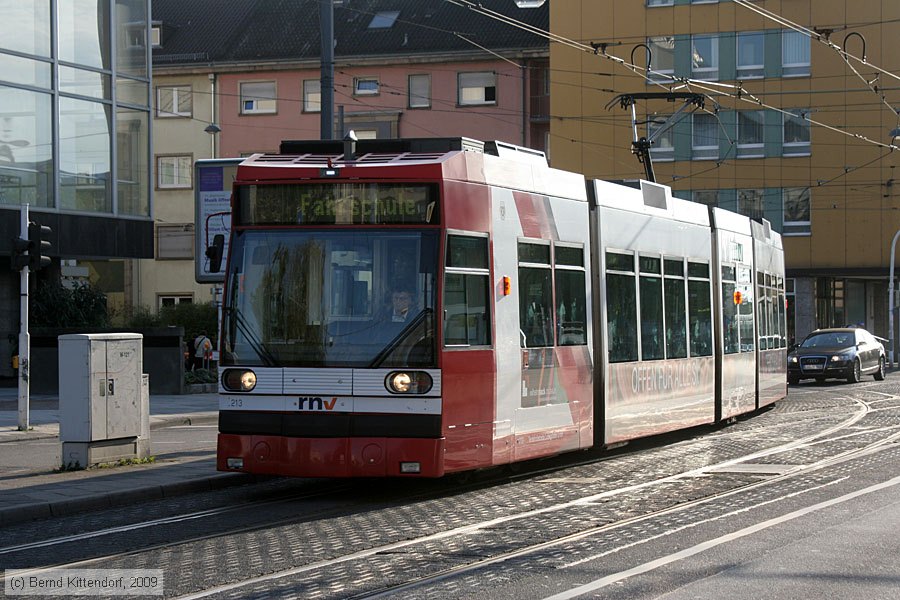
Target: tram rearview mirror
(214, 253)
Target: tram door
(536, 324)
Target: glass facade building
(75, 145)
(75, 106)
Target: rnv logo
(316, 403)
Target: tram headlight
(408, 382)
(239, 380)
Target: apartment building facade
(783, 128)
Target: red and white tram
(428, 306)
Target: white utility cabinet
(102, 398)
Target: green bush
(195, 318)
(143, 317)
(201, 376)
(53, 305)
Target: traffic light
(39, 239)
(32, 252)
(20, 258)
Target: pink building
(401, 69)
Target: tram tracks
(862, 409)
(454, 572)
(418, 582)
(332, 488)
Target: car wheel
(793, 379)
(856, 372)
(879, 374)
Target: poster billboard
(212, 212)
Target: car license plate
(813, 367)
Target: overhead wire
(825, 39)
(714, 89)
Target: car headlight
(793, 360)
(239, 380)
(841, 358)
(408, 382)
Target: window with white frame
(365, 86)
(168, 300)
(750, 133)
(174, 101)
(477, 88)
(794, 53)
(750, 54)
(660, 2)
(258, 97)
(663, 146)
(156, 36)
(796, 211)
(312, 95)
(419, 91)
(175, 242)
(751, 203)
(661, 58)
(704, 136)
(706, 197)
(174, 172)
(796, 133)
(705, 57)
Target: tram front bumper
(331, 457)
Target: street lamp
(891, 303)
(212, 129)
(895, 133)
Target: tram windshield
(331, 298)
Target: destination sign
(337, 204)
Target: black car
(846, 353)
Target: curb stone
(23, 513)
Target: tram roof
(651, 199)
(764, 232)
(493, 163)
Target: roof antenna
(350, 146)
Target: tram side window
(535, 295)
(699, 309)
(782, 309)
(676, 322)
(729, 311)
(761, 312)
(651, 308)
(570, 296)
(772, 314)
(772, 305)
(745, 310)
(466, 292)
(621, 300)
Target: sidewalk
(32, 488)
